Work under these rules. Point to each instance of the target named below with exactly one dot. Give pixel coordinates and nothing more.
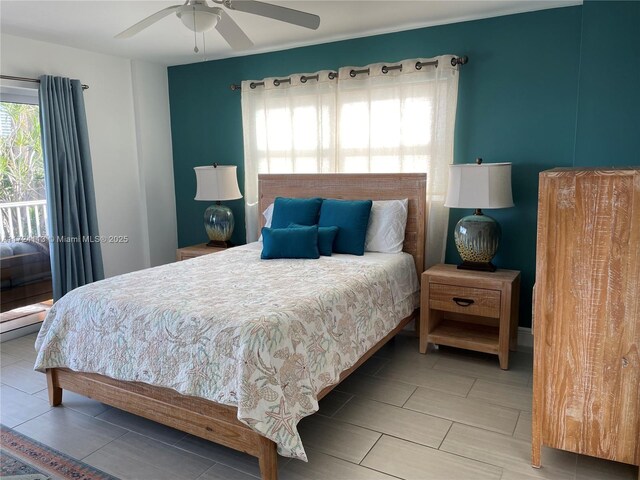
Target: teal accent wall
(518, 102)
(608, 120)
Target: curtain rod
(353, 73)
(32, 80)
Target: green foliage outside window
(21, 162)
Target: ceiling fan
(199, 17)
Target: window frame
(9, 94)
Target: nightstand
(196, 251)
(469, 309)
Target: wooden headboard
(357, 186)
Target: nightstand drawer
(187, 256)
(472, 301)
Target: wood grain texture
(268, 459)
(54, 391)
(200, 417)
(195, 251)
(468, 300)
(587, 314)
(467, 335)
(360, 186)
(454, 306)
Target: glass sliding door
(25, 267)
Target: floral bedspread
(263, 335)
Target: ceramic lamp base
(478, 266)
(477, 237)
(219, 224)
(219, 244)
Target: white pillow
(268, 215)
(387, 223)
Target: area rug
(22, 458)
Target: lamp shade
(486, 185)
(217, 183)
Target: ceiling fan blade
(147, 22)
(232, 33)
(284, 14)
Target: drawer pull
(463, 302)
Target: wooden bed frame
(219, 423)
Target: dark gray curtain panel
(76, 257)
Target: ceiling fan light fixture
(199, 20)
(199, 17)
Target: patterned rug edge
(47, 460)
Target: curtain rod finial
(459, 60)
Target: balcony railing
(23, 219)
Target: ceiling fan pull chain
(204, 48)
(195, 34)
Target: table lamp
(217, 183)
(478, 185)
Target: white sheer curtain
(288, 128)
(402, 121)
(399, 121)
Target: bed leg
(55, 392)
(268, 459)
(535, 454)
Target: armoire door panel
(588, 312)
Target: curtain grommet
(386, 68)
(303, 79)
(352, 74)
(252, 86)
(276, 82)
(332, 75)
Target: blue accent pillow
(352, 218)
(303, 211)
(290, 243)
(326, 237)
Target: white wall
(153, 129)
(125, 121)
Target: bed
(269, 372)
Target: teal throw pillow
(326, 237)
(303, 211)
(352, 218)
(290, 243)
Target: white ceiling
(91, 25)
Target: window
(22, 196)
(379, 120)
(26, 268)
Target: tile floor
(449, 414)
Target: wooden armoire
(586, 381)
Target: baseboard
(20, 332)
(525, 337)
